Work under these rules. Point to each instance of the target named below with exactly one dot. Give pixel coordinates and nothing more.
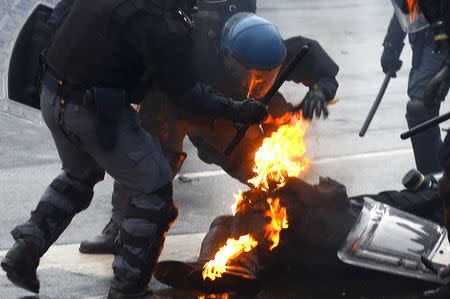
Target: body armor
(92, 52)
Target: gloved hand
(249, 112)
(390, 60)
(315, 101)
(438, 87)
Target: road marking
(68, 258)
(321, 161)
(363, 156)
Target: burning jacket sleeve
(166, 50)
(317, 68)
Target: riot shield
(25, 65)
(393, 241)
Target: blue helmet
(253, 52)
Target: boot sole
(17, 278)
(96, 251)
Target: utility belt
(108, 103)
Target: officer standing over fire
(426, 63)
(100, 56)
(241, 34)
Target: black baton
(242, 130)
(425, 126)
(375, 105)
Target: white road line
(362, 156)
(68, 258)
(322, 161)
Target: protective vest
(88, 48)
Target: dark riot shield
(25, 66)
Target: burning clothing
(320, 218)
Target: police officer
(426, 63)
(437, 14)
(317, 71)
(101, 54)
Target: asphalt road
(352, 31)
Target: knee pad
(79, 199)
(59, 204)
(418, 112)
(141, 237)
(157, 207)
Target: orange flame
(260, 82)
(414, 10)
(232, 249)
(281, 155)
(279, 221)
(237, 206)
(282, 120)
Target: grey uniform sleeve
(166, 51)
(395, 36)
(60, 10)
(317, 68)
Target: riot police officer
(99, 58)
(426, 63)
(317, 71)
(437, 14)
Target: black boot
(20, 264)
(105, 243)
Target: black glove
(390, 60)
(438, 87)
(249, 112)
(314, 101)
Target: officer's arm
(395, 36)
(317, 68)
(166, 49)
(60, 10)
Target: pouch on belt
(109, 103)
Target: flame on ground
(231, 250)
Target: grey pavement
(352, 31)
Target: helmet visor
(258, 82)
(409, 15)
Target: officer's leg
(158, 126)
(105, 242)
(138, 164)
(70, 193)
(427, 144)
